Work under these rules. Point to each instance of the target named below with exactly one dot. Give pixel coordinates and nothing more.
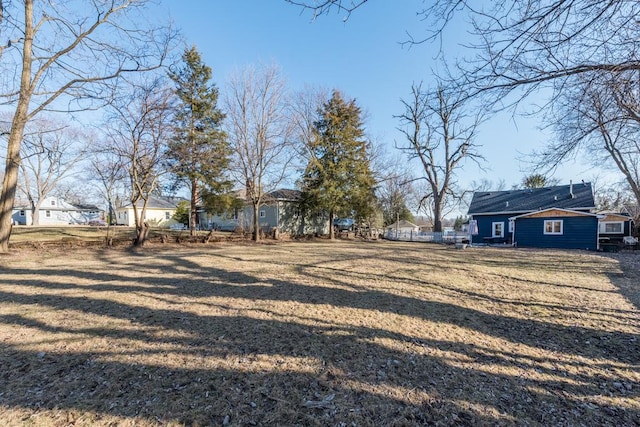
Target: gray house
(280, 210)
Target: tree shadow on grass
(266, 370)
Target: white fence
(424, 236)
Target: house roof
(283, 194)
(573, 197)
(60, 205)
(402, 224)
(157, 202)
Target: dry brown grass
(319, 333)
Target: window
(553, 226)
(167, 215)
(497, 229)
(511, 226)
(263, 214)
(21, 213)
(48, 214)
(53, 203)
(616, 227)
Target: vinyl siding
(485, 223)
(579, 232)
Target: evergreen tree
(338, 178)
(199, 152)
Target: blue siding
(579, 232)
(485, 223)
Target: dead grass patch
(319, 333)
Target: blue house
(556, 228)
(549, 217)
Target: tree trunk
(142, 232)
(437, 214)
(332, 231)
(193, 214)
(10, 180)
(256, 222)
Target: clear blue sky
(361, 56)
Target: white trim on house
(550, 228)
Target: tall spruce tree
(199, 152)
(338, 178)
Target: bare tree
(440, 133)
(524, 43)
(139, 129)
(260, 133)
(324, 7)
(64, 54)
(598, 117)
(108, 169)
(304, 106)
(50, 152)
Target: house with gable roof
(561, 216)
(159, 211)
(55, 211)
(280, 210)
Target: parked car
(343, 224)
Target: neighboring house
(614, 226)
(159, 212)
(549, 217)
(280, 209)
(401, 228)
(55, 211)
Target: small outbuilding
(402, 228)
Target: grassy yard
(91, 236)
(319, 334)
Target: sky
(361, 56)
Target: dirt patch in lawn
(319, 333)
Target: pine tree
(338, 178)
(199, 152)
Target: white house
(403, 228)
(55, 211)
(159, 213)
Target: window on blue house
(263, 214)
(497, 229)
(613, 227)
(553, 226)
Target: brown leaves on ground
(319, 333)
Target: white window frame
(493, 229)
(263, 214)
(167, 215)
(511, 223)
(553, 231)
(603, 227)
(47, 214)
(22, 213)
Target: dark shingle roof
(528, 200)
(283, 194)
